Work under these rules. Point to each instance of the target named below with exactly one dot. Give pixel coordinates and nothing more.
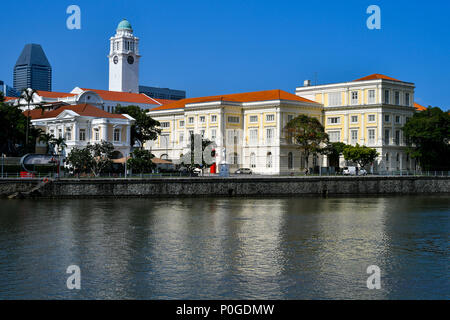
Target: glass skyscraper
(32, 69)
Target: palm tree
(27, 96)
(60, 143)
(47, 138)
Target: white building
(82, 124)
(124, 59)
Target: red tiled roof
(376, 76)
(10, 98)
(52, 94)
(122, 96)
(85, 109)
(419, 107)
(164, 101)
(237, 97)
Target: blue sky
(218, 47)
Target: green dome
(124, 24)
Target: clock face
(116, 59)
(130, 59)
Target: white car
(352, 171)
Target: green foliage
(361, 155)
(334, 150)
(145, 128)
(94, 158)
(308, 133)
(13, 124)
(141, 161)
(428, 137)
(46, 138)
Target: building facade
(32, 69)
(85, 124)
(247, 129)
(369, 111)
(162, 93)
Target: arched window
(269, 160)
(252, 160)
(290, 160)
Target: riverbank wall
(215, 186)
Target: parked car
(353, 171)
(243, 171)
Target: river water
(226, 248)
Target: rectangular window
(371, 135)
(386, 96)
(202, 132)
(165, 124)
(214, 118)
(68, 134)
(116, 135)
(269, 135)
(202, 119)
(82, 134)
(335, 136)
(191, 120)
(164, 141)
(397, 98)
(334, 120)
(397, 137)
(60, 133)
(213, 134)
(354, 119)
(233, 119)
(181, 123)
(253, 119)
(371, 118)
(371, 98)
(407, 99)
(397, 119)
(290, 117)
(387, 118)
(96, 135)
(386, 136)
(334, 99)
(253, 136)
(181, 138)
(270, 117)
(354, 97)
(354, 136)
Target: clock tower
(124, 60)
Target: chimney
(306, 83)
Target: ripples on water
(226, 248)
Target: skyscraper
(32, 69)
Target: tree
(27, 96)
(145, 128)
(46, 138)
(427, 134)
(102, 154)
(13, 125)
(334, 150)
(141, 161)
(60, 143)
(308, 133)
(94, 158)
(80, 159)
(362, 155)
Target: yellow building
(370, 111)
(247, 126)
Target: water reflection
(273, 248)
